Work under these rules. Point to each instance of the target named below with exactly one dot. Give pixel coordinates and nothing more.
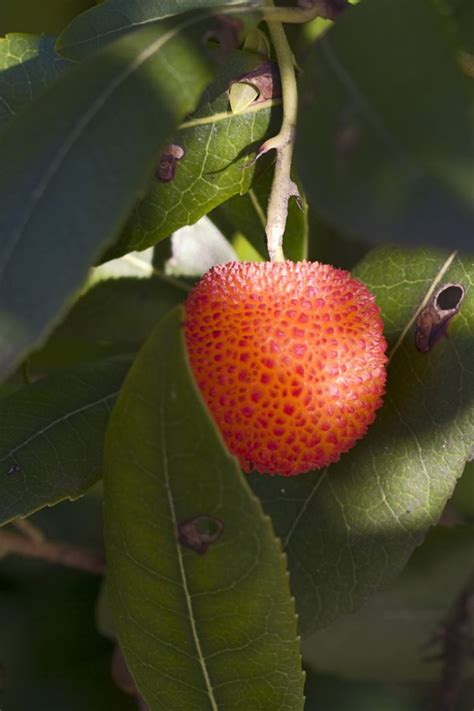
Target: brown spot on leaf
(200, 532)
(167, 166)
(226, 32)
(265, 78)
(432, 322)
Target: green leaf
(218, 146)
(175, 610)
(257, 41)
(247, 214)
(399, 625)
(27, 65)
(72, 177)
(113, 317)
(114, 18)
(45, 17)
(52, 433)
(380, 154)
(351, 528)
(462, 11)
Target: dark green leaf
(52, 433)
(399, 625)
(215, 630)
(27, 65)
(218, 147)
(113, 18)
(382, 151)
(329, 246)
(351, 528)
(72, 176)
(334, 694)
(462, 12)
(161, 253)
(246, 214)
(113, 317)
(463, 497)
(14, 382)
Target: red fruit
(290, 359)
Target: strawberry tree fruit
(290, 360)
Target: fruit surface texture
(290, 360)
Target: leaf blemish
(432, 322)
(226, 32)
(328, 9)
(167, 165)
(265, 80)
(199, 532)
(347, 139)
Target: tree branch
(456, 650)
(283, 186)
(51, 552)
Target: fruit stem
(283, 186)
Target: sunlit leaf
(351, 528)
(45, 17)
(28, 64)
(218, 148)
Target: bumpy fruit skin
(290, 359)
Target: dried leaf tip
(433, 320)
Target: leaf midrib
(184, 581)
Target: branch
(456, 650)
(52, 552)
(283, 186)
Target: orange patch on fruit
(290, 360)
